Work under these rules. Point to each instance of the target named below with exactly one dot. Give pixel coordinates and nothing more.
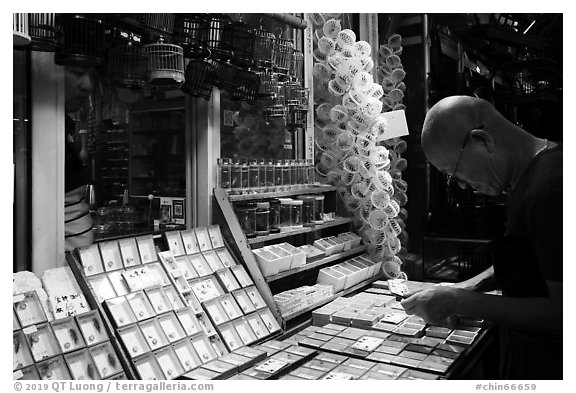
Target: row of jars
(280, 214)
(270, 175)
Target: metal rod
(291, 20)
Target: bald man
(472, 144)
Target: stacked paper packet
(300, 298)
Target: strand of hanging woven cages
(354, 152)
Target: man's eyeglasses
(452, 176)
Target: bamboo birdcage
(191, 33)
(127, 66)
(165, 64)
(282, 55)
(247, 86)
(217, 23)
(264, 48)
(82, 40)
(197, 78)
(238, 38)
(20, 34)
(44, 32)
(158, 25)
(297, 65)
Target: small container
(28, 308)
(297, 213)
(27, 374)
(42, 342)
(235, 175)
(147, 249)
(159, 300)
(245, 175)
(81, 365)
(262, 175)
(246, 213)
(285, 214)
(140, 305)
(169, 363)
(217, 345)
(110, 253)
(68, 334)
(269, 179)
(262, 219)
(148, 368)
(224, 173)
(205, 324)
(105, 360)
(54, 369)
(21, 355)
(278, 173)
(308, 210)
(274, 216)
(153, 334)
(188, 321)
(286, 174)
(226, 257)
(92, 327)
(257, 325)
(294, 170)
(203, 348)
(171, 326)
(230, 306)
(311, 171)
(244, 331)
(133, 341)
(231, 337)
(254, 181)
(187, 355)
(319, 209)
(244, 301)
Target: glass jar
(102, 219)
(308, 217)
(297, 213)
(294, 172)
(246, 213)
(302, 172)
(311, 171)
(262, 219)
(286, 175)
(278, 171)
(269, 179)
(319, 209)
(274, 217)
(262, 175)
(235, 175)
(245, 176)
(285, 214)
(254, 175)
(224, 175)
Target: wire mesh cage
(191, 33)
(127, 66)
(217, 23)
(539, 77)
(158, 25)
(165, 64)
(297, 65)
(197, 78)
(43, 32)
(225, 75)
(263, 48)
(238, 38)
(247, 86)
(20, 26)
(282, 55)
(82, 40)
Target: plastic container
(319, 209)
(308, 208)
(246, 213)
(296, 209)
(235, 175)
(262, 219)
(269, 176)
(224, 173)
(285, 258)
(254, 177)
(286, 174)
(274, 216)
(267, 261)
(285, 214)
(298, 256)
(245, 175)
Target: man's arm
(482, 282)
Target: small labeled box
(213, 261)
(110, 253)
(169, 363)
(27, 374)
(28, 309)
(120, 311)
(216, 311)
(42, 342)
(171, 327)
(133, 341)
(203, 239)
(330, 276)
(200, 264)
(227, 279)
(189, 241)
(255, 297)
(21, 355)
(243, 278)
(139, 278)
(146, 248)
(230, 336)
(174, 298)
(218, 345)
(257, 325)
(168, 260)
(187, 355)
(328, 247)
(54, 369)
(105, 360)
(216, 236)
(68, 334)
(205, 324)
(153, 333)
(244, 301)
(206, 289)
(298, 256)
(181, 284)
(188, 321)
(337, 243)
(140, 305)
(81, 365)
(203, 348)
(92, 327)
(284, 257)
(245, 331)
(91, 260)
(230, 306)
(268, 262)
(159, 300)
(148, 368)
(15, 322)
(101, 287)
(175, 243)
(159, 274)
(226, 258)
(129, 252)
(185, 267)
(269, 320)
(118, 283)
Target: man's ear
(484, 138)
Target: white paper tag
(17, 374)
(398, 287)
(18, 298)
(397, 125)
(336, 375)
(367, 343)
(394, 318)
(68, 305)
(271, 366)
(30, 329)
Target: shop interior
(239, 208)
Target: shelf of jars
(337, 221)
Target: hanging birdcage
(82, 40)
(20, 29)
(164, 64)
(263, 48)
(197, 78)
(43, 32)
(120, 29)
(217, 23)
(191, 33)
(268, 80)
(297, 65)
(282, 55)
(158, 25)
(238, 38)
(127, 66)
(247, 86)
(225, 75)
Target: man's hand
(434, 305)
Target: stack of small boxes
(349, 273)
(279, 258)
(336, 244)
(297, 299)
(75, 347)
